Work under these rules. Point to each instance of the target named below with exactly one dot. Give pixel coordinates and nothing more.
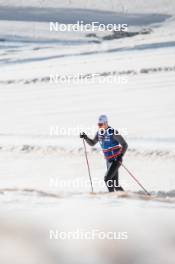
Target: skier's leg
(117, 187)
(110, 175)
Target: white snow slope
(43, 174)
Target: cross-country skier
(114, 147)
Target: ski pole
(135, 179)
(85, 152)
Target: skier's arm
(93, 141)
(90, 141)
(122, 142)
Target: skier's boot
(119, 188)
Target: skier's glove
(83, 135)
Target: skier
(114, 147)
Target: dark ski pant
(111, 176)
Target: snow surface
(34, 164)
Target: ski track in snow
(26, 194)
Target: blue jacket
(110, 146)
